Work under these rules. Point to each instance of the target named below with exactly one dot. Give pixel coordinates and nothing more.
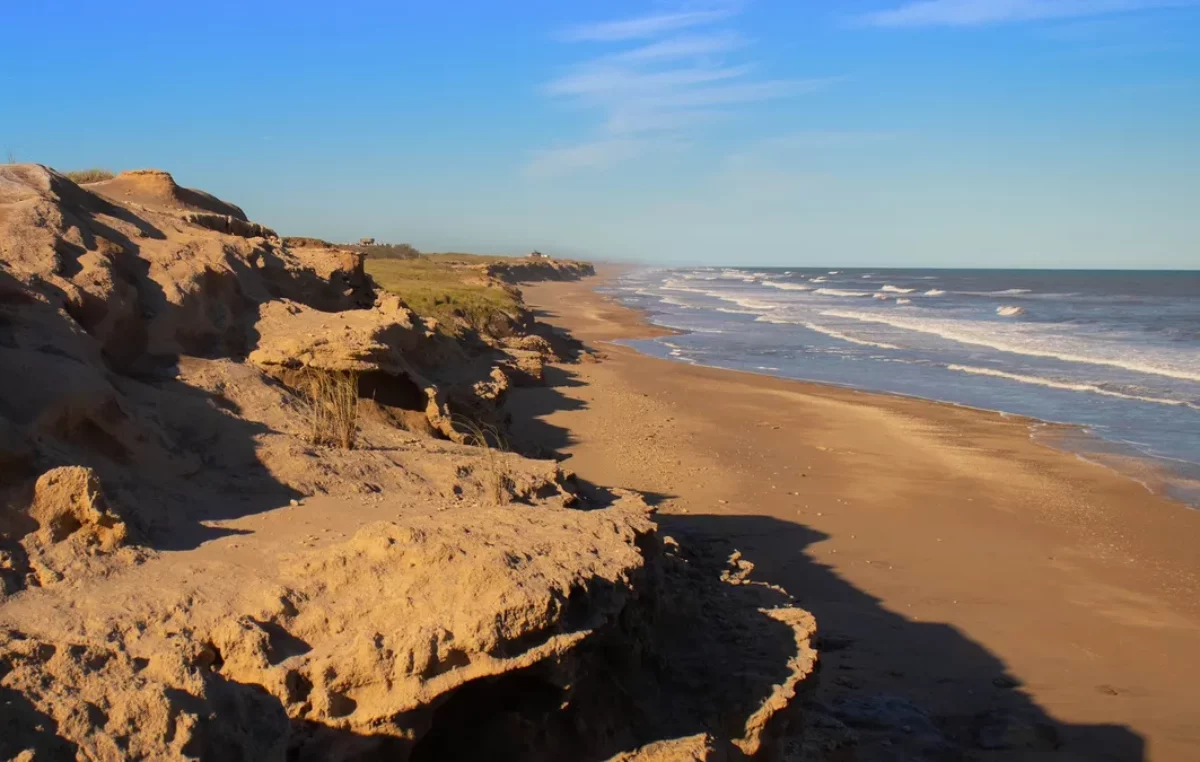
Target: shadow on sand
(904, 689)
(888, 688)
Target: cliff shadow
(892, 687)
(24, 729)
(171, 456)
(696, 653)
(527, 407)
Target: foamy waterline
(757, 305)
(1114, 354)
(827, 331)
(966, 337)
(840, 292)
(786, 286)
(1064, 385)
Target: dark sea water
(1115, 352)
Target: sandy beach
(1003, 589)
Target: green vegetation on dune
(454, 258)
(440, 287)
(387, 250)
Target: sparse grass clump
(497, 478)
(332, 407)
(436, 288)
(82, 176)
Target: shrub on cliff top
(388, 250)
(89, 176)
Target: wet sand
(949, 558)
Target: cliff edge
(250, 510)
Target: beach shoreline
(938, 352)
(950, 557)
(1070, 438)
(1074, 439)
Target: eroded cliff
(188, 573)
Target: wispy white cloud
(981, 12)
(619, 83)
(635, 118)
(643, 27)
(680, 47)
(660, 92)
(592, 154)
(744, 92)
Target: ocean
(1116, 353)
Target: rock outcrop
(188, 574)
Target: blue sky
(1034, 133)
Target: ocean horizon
(1115, 353)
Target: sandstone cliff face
(155, 349)
(186, 576)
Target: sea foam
(1065, 385)
(827, 331)
(840, 292)
(985, 335)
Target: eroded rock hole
(513, 717)
(396, 400)
(393, 391)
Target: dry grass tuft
(497, 481)
(82, 176)
(333, 407)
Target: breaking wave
(1051, 383)
(827, 331)
(985, 335)
(786, 286)
(840, 292)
